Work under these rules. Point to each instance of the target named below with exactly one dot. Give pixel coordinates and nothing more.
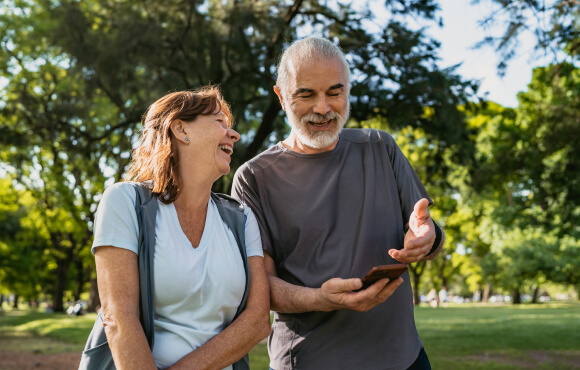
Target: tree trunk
(80, 278)
(536, 293)
(516, 296)
(15, 303)
(94, 299)
(62, 266)
(415, 272)
(1, 301)
(486, 293)
(265, 129)
(416, 296)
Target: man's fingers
(374, 289)
(389, 289)
(421, 209)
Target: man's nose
(321, 105)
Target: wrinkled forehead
(316, 73)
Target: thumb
(421, 211)
(338, 285)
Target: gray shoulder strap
(232, 213)
(146, 210)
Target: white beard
(319, 139)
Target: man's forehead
(316, 73)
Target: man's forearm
(290, 298)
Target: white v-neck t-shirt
(197, 291)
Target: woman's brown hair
(156, 157)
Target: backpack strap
(146, 210)
(232, 214)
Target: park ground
(468, 336)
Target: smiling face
(209, 145)
(316, 102)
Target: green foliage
(520, 195)
(22, 261)
(554, 23)
(78, 77)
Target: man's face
(316, 101)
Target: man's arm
(420, 237)
(334, 294)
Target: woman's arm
(240, 336)
(118, 282)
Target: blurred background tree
(77, 77)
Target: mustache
(317, 117)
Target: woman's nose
(233, 134)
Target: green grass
(545, 336)
(41, 333)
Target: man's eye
(305, 96)
(337, 94)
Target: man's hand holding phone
(377, 273)
(352, 294)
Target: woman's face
(211, 144)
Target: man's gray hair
(308, 49)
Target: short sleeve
(115, 220)
(253, 240)
(244, 188)
(410, 187)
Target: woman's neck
(193, 195)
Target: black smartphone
(384, 271)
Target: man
(331, 204)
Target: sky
(459, 34)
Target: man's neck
(294, 144)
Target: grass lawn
(545, 336)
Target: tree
(22, 246)
(135, 51)
(525, 179)
(80, 75)
(554, 23)
(54, 136)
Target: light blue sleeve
(253, 239)
(115, 220)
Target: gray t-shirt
(336, 214)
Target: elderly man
(331, 204)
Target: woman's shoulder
(119, 192)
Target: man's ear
(279, 93)
(177, 128)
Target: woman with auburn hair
(199, 276)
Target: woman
(186, 144)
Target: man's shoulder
(365, 135)
(262, 160)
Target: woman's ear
(177, 127)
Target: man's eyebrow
(337, 86)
